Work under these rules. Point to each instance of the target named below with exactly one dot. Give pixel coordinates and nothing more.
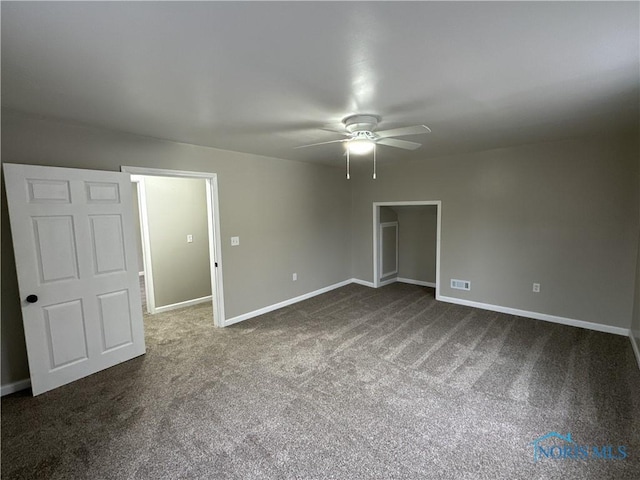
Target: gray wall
(13, 361)
(388, 214)
(177, 207)
(417, 242)
(290, 216)
(563, 214)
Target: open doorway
(179, 237)
(173, 238)
(406, 243)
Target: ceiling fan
(363, 137)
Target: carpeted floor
(353, 384)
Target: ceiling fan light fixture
(363, 137)
(360, 146)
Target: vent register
(460, 284)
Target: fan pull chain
(374, 161)
(348, 175)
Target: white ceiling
(264, 77)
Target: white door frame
(138, 180)
(376, 226)
(213, 224)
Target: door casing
(213, 225)
(376, 241)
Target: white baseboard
(406, 280)
(285, 303)
(362, 282)
(636, 349)
(598, 327)
(15, 387)
(188, 303)
(416, 282)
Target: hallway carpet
(357, 383)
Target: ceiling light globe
(360, 146)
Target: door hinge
(215, 264)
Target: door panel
(48, 191)
(66, 333)
(115, 320)
(55, 248)
(108, 243)
(102, 192)
(74, 246)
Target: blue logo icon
(563, 447)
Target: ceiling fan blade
(346, 134)
(394, 142)
(399, 132)
(322, 143)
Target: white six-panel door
(76, 260)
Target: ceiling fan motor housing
(361, 123)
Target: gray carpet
(353, 384)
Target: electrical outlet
(235, 241)
(189, 238)
(294, 277)
(536, 287)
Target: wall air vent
(460, 284)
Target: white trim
(598, 327)
(389, 281)
(285, 303)
(213, 224)
(186, 303)
(163, 172)
(416, 282)
(146, 244)
(636, 349)
(15, 387)
(364, 283)
(376, 222)
(406, 280)
(410, 203)
(215, 251)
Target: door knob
(32, 298)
